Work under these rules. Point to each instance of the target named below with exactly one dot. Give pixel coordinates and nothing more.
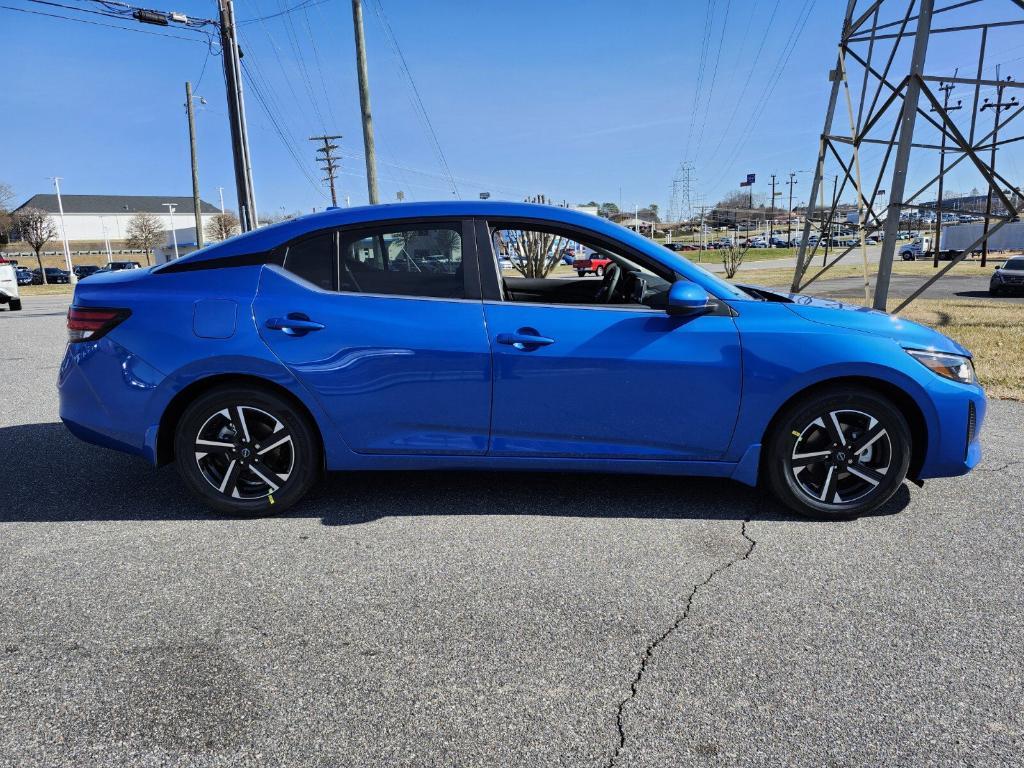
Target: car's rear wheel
(841, 453)
(15, 305)
(246, 451)
(581, 272)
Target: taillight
(89, 323)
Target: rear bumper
(106, 393)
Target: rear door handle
(526, 339)
(296, 324)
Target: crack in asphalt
(649, 652)
(1000, 468)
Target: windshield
(1015, 263)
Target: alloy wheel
(244, 452)
(841, 457)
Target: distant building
(643, 221)
(93, 218)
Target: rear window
(313, 259)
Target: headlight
(953, 367)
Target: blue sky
(575, 100)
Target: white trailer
(958, 237)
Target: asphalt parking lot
(494, 619)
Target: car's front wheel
(246, 451)
(841, 453)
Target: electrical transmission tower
(329, 162)
(680, 207)
(897, 118)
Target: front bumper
(954, 444)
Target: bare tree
(6, 218)
(37, 229)
(145, 232)
(222, 226)
(732, 259)
(531, 253)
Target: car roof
(265, 238)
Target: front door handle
(296, 324)
(526, 339)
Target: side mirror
(686, 299)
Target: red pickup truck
(590, 263)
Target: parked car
(53, 275)
(260, 361)
(9, 293)
(24, 275)
(84, 270)
(591, 262)
(1009, 278)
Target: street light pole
(174, 235)
(64, 233)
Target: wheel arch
(899, 398)
(176, 407)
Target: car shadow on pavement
(53, 477)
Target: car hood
(1011, 272)
(904, 332)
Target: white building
(95, 218)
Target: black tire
(995, 291)
(14, 305)
(581, 272)
(264, 459)
(807, 468)
(599, 271)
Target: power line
(714, 77)
(773, 80)
(102, 24)
(288, 144)
(746, 83)
(305, 4)
(708, 24)
(422, 110)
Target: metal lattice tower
(894, 59)
(680, 207)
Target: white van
(9, 286)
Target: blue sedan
(390, 337)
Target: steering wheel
(612, 275)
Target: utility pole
(236, 114)
(771, 206)
(789, 222)
(329, 161)
(220, 190)
(195, 163)
(945, 88)
(998, 107)
(364, 103)
(174, 234)
(63, 234)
